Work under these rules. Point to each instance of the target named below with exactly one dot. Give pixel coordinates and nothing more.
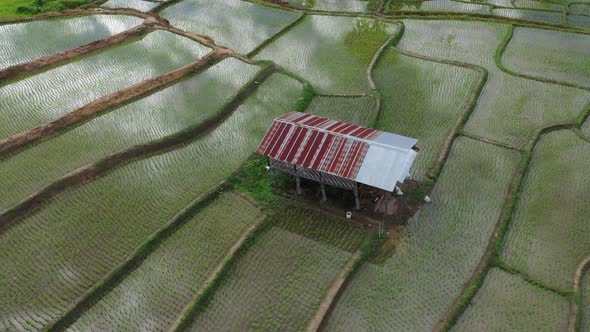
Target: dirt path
(574, 310)
(332, 294)
(108, 103)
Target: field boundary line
(191, 309)
(22, 70)
(108, 103)
(490, 141)
(333, 292)
(128, 155)
(575, 301)
(71, 13)
(276, 36)
(491, 257)
(500, 264)
(114, 277)
(498, 59)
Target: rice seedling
(142, 6)
(506, 302)
(422, 99)
(153, 295)
(51, 36)
(166, 112)
(236, 24)
(549, 234)
(357, 110)
(578, 21)
(278, 283)
(530, 15)
(331, 52)
(437, 252)
(333, 5)
(558, 55)
(438, 6)
(59, 252)
(543, 5)
(43, 98)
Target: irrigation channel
(132, 200)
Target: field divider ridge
(276, 36)
(108, 103)
(575, 313)
(498, 59)
(489, 141)
(134, 260)
(70, 13)
(230, 255)
(491, 256)
(22, 70)
(90, 172)
(333, 292)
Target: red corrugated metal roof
(318, 143)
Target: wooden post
(356, 196)
(324, 198)
(298, 181)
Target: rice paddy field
(153, 214)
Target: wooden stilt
(324, 198)
(298, 181)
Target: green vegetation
(556, 55)
(30, 102)
(446, 6)
(549, 236)
(164, 113)
(52, 36)
(506, 302)
(357, 110)
(216, 19)
(331, 52)
(54, 247)
(280, 281)
(585, 319)
(437, 252)
(154, 294)
(422, 99)
(16, 8)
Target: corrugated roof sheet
(365, 155)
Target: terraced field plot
(331, 52)
(216, 19)
(51, 36)
(278, 284)
(52, 257)
(558, 165)
(550, 54)
(508, 303)
(357, 110)
(142, 6)
(424, 100)
(154, 294)
(163, 113)
(334, 5)
(533, 4)
(413, 288)
(45, 97)
(578, 21)
(439, 6)
(530, 15)
(525, 106)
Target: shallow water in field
(235, 24)
(47, 96)
(142, 6)
(530, 15)
(22, 42)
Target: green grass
(280, 281)
(153, 295)
(506, 302)
(331, 52)
(218, 19)
(437, 252)
(357, 110)
(548, 236)
(556, 55)
(56, 254)
(34, 101)
(20, 8)
(423, 100)
(51, 36)
(163, 113)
